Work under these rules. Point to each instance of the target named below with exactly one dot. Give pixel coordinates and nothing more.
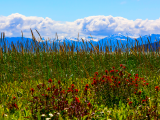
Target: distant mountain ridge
(153, 42)
(113, 40)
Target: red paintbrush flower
(87, 86)
(157, 88)
(89, 105)
(59, 82)
(50, 80)
(14, 98)
(130, 103)
(32, 90)
(139, 92)
(121, 65)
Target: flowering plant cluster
(118, 85)
(110, 89)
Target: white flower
(48, 118)
(43, 115)
(50, 114)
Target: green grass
(129, 93)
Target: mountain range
(113, 40)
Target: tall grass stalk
(24, 68)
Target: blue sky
(100, 18)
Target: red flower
(157, 88)
(106, 71)
(50, 80)
(15, 105)
(119, 82)
(94, 82)
(112, 71)
(130, 103)
(72, 91)
(14, 98)
(110, 80)
(129, 75)
(139, 92)
(63, 91)
(120, 74)
(147, 84)
(87, 86)
(76, 90)
(86, 89)
(103, 81)
(112, 77)
(96, 73)
(72, 85)
(89, 105)
(124, 67)
(121, 65)
(136, 75)
(68, 91)
(59, 82)
(48, 89)
(136, 85)
(113, 67)
(143, 101)
(32, 90)
(77, 100)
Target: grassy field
(79, 85)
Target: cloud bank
(98, 26)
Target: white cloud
(98, 26)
